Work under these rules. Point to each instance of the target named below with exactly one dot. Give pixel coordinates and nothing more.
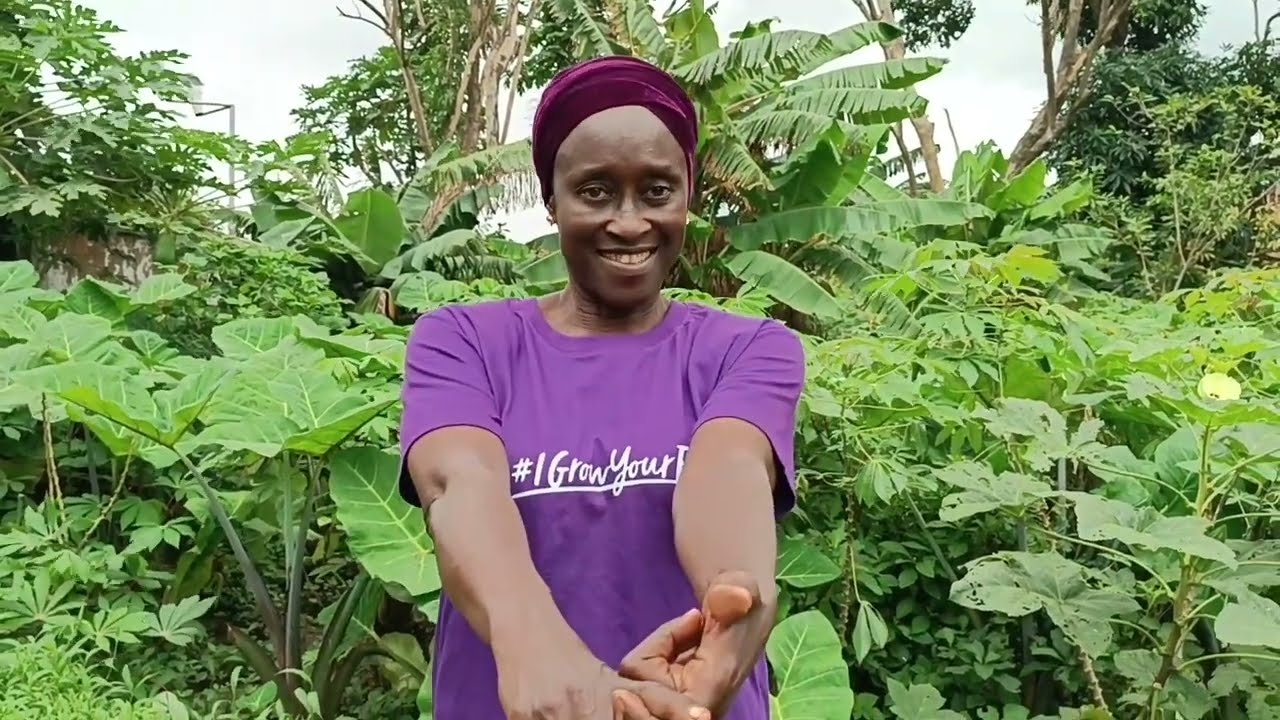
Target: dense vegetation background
(1038, 448)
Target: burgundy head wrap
(587, 88)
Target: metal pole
(231, 130)
(231, 166)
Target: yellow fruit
(1217, 386)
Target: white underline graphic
(611, 487)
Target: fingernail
(700, 713)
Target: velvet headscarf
(587, 88)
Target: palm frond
(634, 27)
(849, 40)
(593, 39)
(783, 127)
(781, 55)
(891, 74)
(728, 160)
(866, 106)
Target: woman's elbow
(447, 460)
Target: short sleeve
(762, 386)
(445, 385)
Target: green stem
(270, 615)
(1113, 553)
(1186, 588)
(1227, 656)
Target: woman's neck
(572, 313)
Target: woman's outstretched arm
(738, 479)
(461, 477)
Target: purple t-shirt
(596, 430)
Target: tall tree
(896, 50)
(446, 79)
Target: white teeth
(629, 258)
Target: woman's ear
(551, 210)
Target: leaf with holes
(1019, 583)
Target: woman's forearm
(481, 546)
(724, 519)
(485, 564)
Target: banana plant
(784, 148)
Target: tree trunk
(1067, 81)
(897, 50)
(119, 258)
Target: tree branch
(1047, 32)
(357, 16)
(514, 79)
(395, 30)
(480, 21)
(1068, 90)
(897, 50)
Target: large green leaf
(372, 223)
(113, 402)
(982, 491)
(161, 288)
(546, 270)
(249, 336)
(809, 669)
(1252, 620)
(1099, 519)
(17, 275)
(801, 565)
(71, 336)
(784, 281)
(1019, 583)
(304, 410)
(918, 702)
(21, 323)
(91, 296)
(868, 219)
(386, 534)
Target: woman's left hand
(707, 655)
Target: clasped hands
(690, 668)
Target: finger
(672, 637)
(651, 660)
(627, 706)
(666, 704)
(727, 603)
(703, 681)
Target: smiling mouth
(629, 258)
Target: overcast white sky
(257, 54)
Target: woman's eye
(660, 192)
(594, 192)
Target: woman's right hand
(562, 680)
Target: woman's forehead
(621, 131)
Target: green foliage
(85, 142)
(47, 679)
(233, 279)
(933, 23)
(1206, 206)
(1020, 497)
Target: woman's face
(620, 199)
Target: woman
(545, 437)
